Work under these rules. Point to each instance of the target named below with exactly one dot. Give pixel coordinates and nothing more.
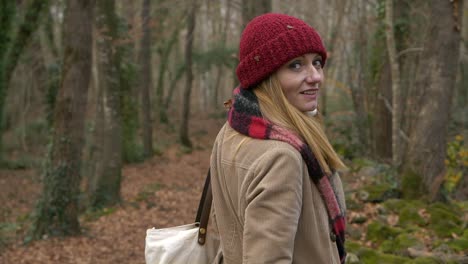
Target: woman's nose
(314, 75)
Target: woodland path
(162, 191)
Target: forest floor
(164, 191)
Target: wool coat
(266, 207)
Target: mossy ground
(404, 231)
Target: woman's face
(300, 79)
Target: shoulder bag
(187, 243)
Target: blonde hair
(276, 108)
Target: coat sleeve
(273, 207)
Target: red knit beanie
(271, 40)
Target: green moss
(407, 211)
(352, 204)
(370, 256)
(412, 185)
(92, 215)
(378, 232)
(409, 216)
(445, 220)
(462, 204)
(459, 244)
(423, 261)
(378, 192)
(400, 244)
(352, 246)
(395, 205)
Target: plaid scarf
(245, 118)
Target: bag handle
(204, 209)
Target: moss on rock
(459, 244)
(352, 204)
(395, 205)
(407, 211)
(378, 193)
(352, 246)
(400, 244)
(445, 219)
(409, 216)
(378, 232)
(412, 185)
(370, 256)
(423, 261)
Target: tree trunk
(408, 43)
(251, 9)
(424, 169)
(146, 81)
(331, 47)
(173, 84)
(164, 63)
(127, 79)
(381, 115)
(395, 77)
(105, 183)
(10, 50)
(220, 72)
(379, 96)
(57, 210)
(183, 133)
(461, 192)
(358, 92)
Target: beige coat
(267, 209)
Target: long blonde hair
(276, 108)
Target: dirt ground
(162, 191)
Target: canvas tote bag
(187, 243)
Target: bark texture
(395, 74)
(146, 80)
(251, 9)
(435, 85)
(104, 185)
(183, 133)
(57, 211)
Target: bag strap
(204, 209)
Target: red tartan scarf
(245, 117)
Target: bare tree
(357, 74)
(104, 185)
(163, 65)
(462, 95)
(146, 80)
(251, 9)
(183, 133)
(227, 21)
(10, 50)
(57, 210)
(332, 45)
(424, 167)
(395, 75)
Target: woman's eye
(296, 65)
(317, 63)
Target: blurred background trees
(395, 92)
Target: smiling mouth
(310, 92)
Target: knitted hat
(271, 40)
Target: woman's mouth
(310, 92)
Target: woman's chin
(312, 112)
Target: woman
(275, 194)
